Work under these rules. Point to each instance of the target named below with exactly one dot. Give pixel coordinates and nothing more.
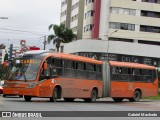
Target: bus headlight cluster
(31, 85)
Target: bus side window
(114, 70)
(120, 70)
(133, 71)
(154, 75)
(129, 71)
(80, 66)
(98, 68)
(124, 71)
(89, 67)
(45, 71)
(57, 66)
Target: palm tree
(61, 35)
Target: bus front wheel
(136, 96)
(93, 98)
(117, 99)
(54, 95)
(27, 98)
(4, 95)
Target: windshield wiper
(13, 74)
(25, 79)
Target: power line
(21, 31)
(21, 27)
(17, 33)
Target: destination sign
(27, 61)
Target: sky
(31, 17)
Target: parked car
(1, 89)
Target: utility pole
(45, 41)
(108, 43)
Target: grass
(154, 98)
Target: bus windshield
(24, 69)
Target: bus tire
(93, 98)
(54, 95)
(4, 95)
(136, 96)
(27, 98)
(117, 99)
(69, 99)
(21, 96)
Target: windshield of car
(24, 69)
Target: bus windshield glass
(24, 69)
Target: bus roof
(76, 58)
(35, 52)
(131, 65)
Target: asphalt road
(14, 103)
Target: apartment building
(122, 27)
(72, 12)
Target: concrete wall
(117, 47)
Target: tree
(6, 57)
(61, 35)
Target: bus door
(45, 88)
(131, 73)
(121, 83)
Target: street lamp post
(108, 43)
(44, 42)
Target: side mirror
(45, 66)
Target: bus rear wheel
(93, 98)
(69, 99)
(27, 98)
(54, 95)
(117, 99)
(136, 96)
(21, 96)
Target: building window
(150, 29)
(64, 3)
(121, 39)
(88, 28)
(89, 13)
(63, 13)
(89, 1)
(73, 18)
(152, 1)
(123, 26)
(149, 42)
(115, 10)
(124, 11)
(114, 25)
(150, 14)
(75, 6)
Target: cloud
(30, 15)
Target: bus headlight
(31, 85)
(5, 85)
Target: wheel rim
(55, 95)
(94, 96)
(137, 96)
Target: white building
(2, 54)
(132, 28)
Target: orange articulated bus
(56, 75)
